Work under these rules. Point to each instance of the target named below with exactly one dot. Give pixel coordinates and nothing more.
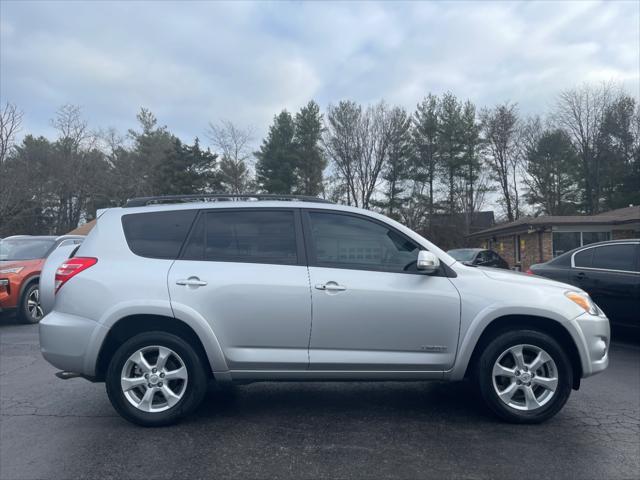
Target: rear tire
(30, 310)
(155, 379)
(524, 376)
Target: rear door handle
(331, 287)
(191, 282)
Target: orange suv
(21, 260)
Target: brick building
(531, 240)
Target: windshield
(24, 248)
(463, 254)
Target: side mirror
(427, 262)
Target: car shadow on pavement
(349, 400)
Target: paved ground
(51, 428)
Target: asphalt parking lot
(50, 428)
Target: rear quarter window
(157, 234)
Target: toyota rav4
(163, 297)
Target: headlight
(584, 301)
(12, 270)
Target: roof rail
(219, 197)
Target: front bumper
(68, 342)
(592, 335)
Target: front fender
(485, 317)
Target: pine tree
(396, 170)
(451, 147)
(276, 166)
(310, 161)
(425, 136)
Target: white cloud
(191, 62)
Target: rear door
(612, 281)
(244, 271)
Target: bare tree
(10, 124)
(234, 143)
(357, 142)
(581, 111)
(500, 128)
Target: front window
(462, 254)
(351, 242)
(24, 248)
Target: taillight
(71, 268)
(529, 272)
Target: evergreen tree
(619, 186)
(310, 161)
(552, 168)
(276, 166)
(425, 159)
(187, 169)
(451, 147)
(396, 170)
(472, 185)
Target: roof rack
(219, 197)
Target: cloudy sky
(192, 62)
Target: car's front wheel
(155, 379)
(524, 376)
(30, 308)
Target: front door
(244, 271)
(372, 309)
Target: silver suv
(161, 298)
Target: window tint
(257, 236)
(583, 258)
(157, 234)
(614, 257)
(352, 242)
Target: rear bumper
(68, 342)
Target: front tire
(524, 376)
(155, 379)
(30, 309)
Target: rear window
(253, 236)
(157, 234)
(583, 258)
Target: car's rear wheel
(30, 309)
(524, 376)
(155, 379)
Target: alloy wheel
(154, 379)
(33, 305)
(525, 377)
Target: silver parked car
(160, 298)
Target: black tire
(506, 340)
(24, 314)
(193, 394)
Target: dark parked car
(479, 257)
(608, 271)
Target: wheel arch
(131, 325)
(546, 325)
(27, 282)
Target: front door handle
(331, 287)
(191, 282)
